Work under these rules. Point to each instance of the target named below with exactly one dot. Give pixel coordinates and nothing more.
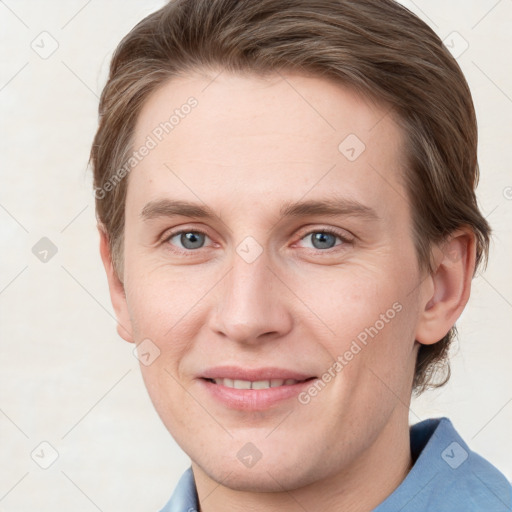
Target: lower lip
(254, 399)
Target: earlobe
(116, 289)
(449, 286)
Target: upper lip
(252, 374)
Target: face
(268, 238)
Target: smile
(258, 384)
(254, 395)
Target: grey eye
(190, 239)
(323, 240)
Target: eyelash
(328, 231)
(187, 252)
(190, 252)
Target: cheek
(165, 323)
(379, 353)
(347, 300)
(163, 301)
(364, 319)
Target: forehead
(256, 140)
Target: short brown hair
(376, 47)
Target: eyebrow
(172, 208)
(329, 207)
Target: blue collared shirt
(446, 477)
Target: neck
(369, 480)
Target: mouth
(257, 384)
(248, 390)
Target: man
(288, 222)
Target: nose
(251, 303)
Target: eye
(324, 239)
(188, 239)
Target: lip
(253, 399)
(252, 374)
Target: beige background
(65, 376)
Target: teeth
(259, 384)
(241, 384)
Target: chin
(262, 477)
(250, 480)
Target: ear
(447, 289)
(116, 288)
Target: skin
(251, 146)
